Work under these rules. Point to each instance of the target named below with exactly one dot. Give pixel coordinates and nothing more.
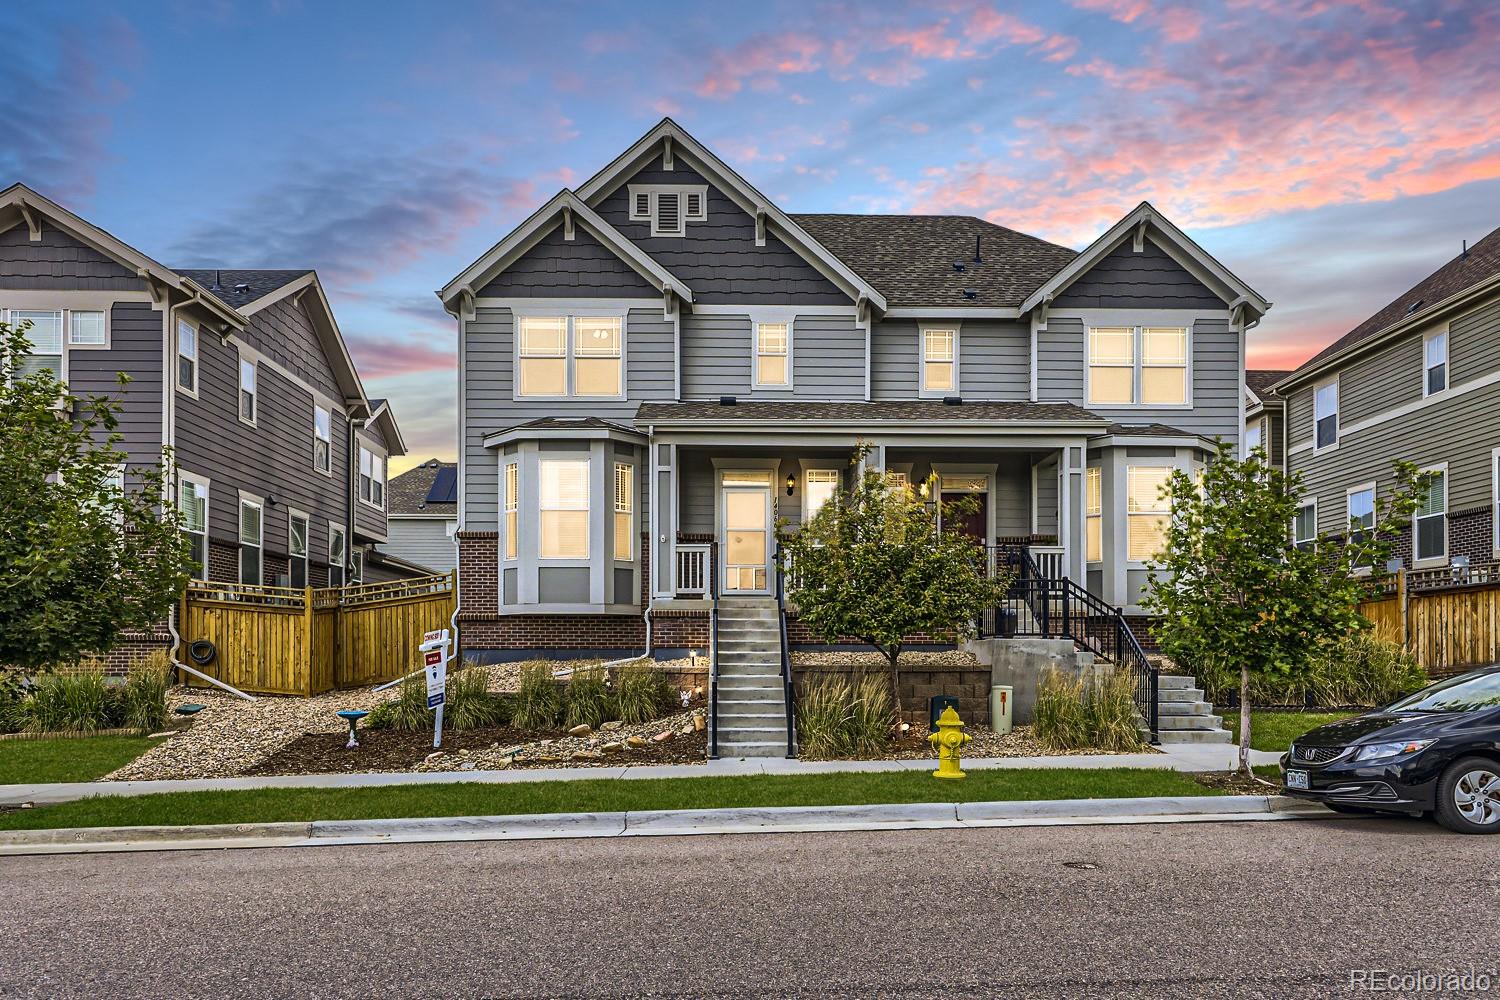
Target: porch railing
(1049, 560)
(713, 660)
(694, 569)
(783, 561)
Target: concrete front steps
(1182, 714)
(752, 700)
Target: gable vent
(668, 214)
(694, 205)
(642, 206)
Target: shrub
(1359, 669)
(76, 701)
(587, 696)
(407, 711)
(839, 718)
(1072, 714)
(470, 705)
(641, 692)
(538, 703)
(143, 696)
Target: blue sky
(1330, 152)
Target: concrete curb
(665, 823)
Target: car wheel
(1468, 796)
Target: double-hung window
(773, 344)
(247, 390)
(512, 505)
(357, 567)
(1326, 415)
(1435, 362)
(46, 336)
(338, 554)
(371, 477)
(1164, 366)
(1148, 510)
(252, 516)
(1254, 436)
(1093, 519)
(1305, 525)
(296, 549)
(624, 511)
(192, 504)
(1429, 526)
(1146, 365)
(564, 498)
(939, 360)
(86, 328)
(579, 356)
(820, 488)
(322, 439)
(1112, 365)
(1360, 503)
(187, 357)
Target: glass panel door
(747, 524)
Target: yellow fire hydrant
(949, 740)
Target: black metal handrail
(786, 657)
(713, 652)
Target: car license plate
(1296, 779)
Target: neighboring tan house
(1419, 380)
(243, 374)
(1265, 416)
(423, 515)
(662, 361)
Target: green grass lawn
(1275, 731)
(600, 795)
(25, 762)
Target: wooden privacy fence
(280, 640)
(1449, 619)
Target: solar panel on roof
(445, 487)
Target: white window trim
(569, 381)
(197, 360)
(807, 473)
(1439, 560)
(62, 319)
(510, 503)
(682, 191)
(1349, 518)
(922, 330)
(293, 514)
(1099, 471)
(203, 481)
(587, 460)
(241, 359)
(1338, 415)
(249, 499)
(1170, 467)
(68, 344)
(357, 567)
(375, 453)
(337, 529)
(1447, 363)
(1495, 503)
(1309, 502)
(755, 325)
(329, 440)
(614, 512)
(1138, 364)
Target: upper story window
(564, 496)
(773, 346)
(561, 356)
(187, 357)
(371, 477)
(247, 390)
(86, 328)
(322, 439)
(1435, 362)
(939, 360)
(45, 334)
(1146, 365)
(668, 207)
(1326, 415)
(1093, 527)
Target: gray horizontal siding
(135, 349)
(893, 360)
(424, 541)
(1381, 379)
(559, 268)
(993, 360)
(827, 358)
(1125, 279)
(1474, 343)
(369, 520)
(57, 260)
(718, 259)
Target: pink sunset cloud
(385, 357)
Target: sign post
(435, 665)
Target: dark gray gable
(559, 268)
(1125, 279)
(58, 261)
(718, 259)
(284, 331)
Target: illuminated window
(564, 509)
(1094, 515)
(772, 349)
(939, 359)
(1148, 510)
(624, 510)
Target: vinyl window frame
(338, 566)
(1337, 414)
(259, 546)
(1093, 514)
(565, 458)
(624, 513)
(1138, 365)
(1307, 541)
(1133, 516)
(758, 352)
(195, 358)
(1427, 365)
(836, 480)
(251, 366)
(953, 330)
(62, 336)
(510, 484)
(194, 480)
(570, 353)
(1349, 528)
(292, 558)
(70, 344)
(368, 481)
(1441, 559)
(327, 467)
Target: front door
(976, 523)
(747, 539)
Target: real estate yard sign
(435, 665)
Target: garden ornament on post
(352, 716)
(949, 740)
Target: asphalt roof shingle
(893, 410)
(1260, 380)
(240, 286)
(407, 493)
(910, 258)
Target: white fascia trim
(1130, 440)
(951, 314)
(498, 439)
(739, 190)
(758, 309)
(1174, 238)
(271, 297)
(541, 222)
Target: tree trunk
(1245, 720)
(892, 656)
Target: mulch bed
(402, 750)
(1235, 783)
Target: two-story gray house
(661, 365)
(1418, 380)
(243, 374)
(1265, 414)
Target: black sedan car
(1436, 751)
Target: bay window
(563, 356)
(564, 502)
(1093, 515)
(512, 505)
(624, 511)
(1148, 510)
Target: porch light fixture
(791, 483)
(922, 489)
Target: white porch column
(1072, 509)
(663, 519)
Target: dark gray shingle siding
(1125, 279)
(57, 261)
(559, 268)
(135, 349)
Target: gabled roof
(381, 414)
(1420, 302)
(1260, 380)
(541, 222)
(409, 493)
(1145, 218)
(912, 258)
(737, 189)
(239, 287)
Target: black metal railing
(713, 653)
(786, 657)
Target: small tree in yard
(1234, 592)
(80, 557)
(874, 565)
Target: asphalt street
(1265, 910)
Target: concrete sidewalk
(1187, 757)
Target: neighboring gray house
(423, 515)
(243, 374)
(662, 361)
(1265, 414)
(1419, 380)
